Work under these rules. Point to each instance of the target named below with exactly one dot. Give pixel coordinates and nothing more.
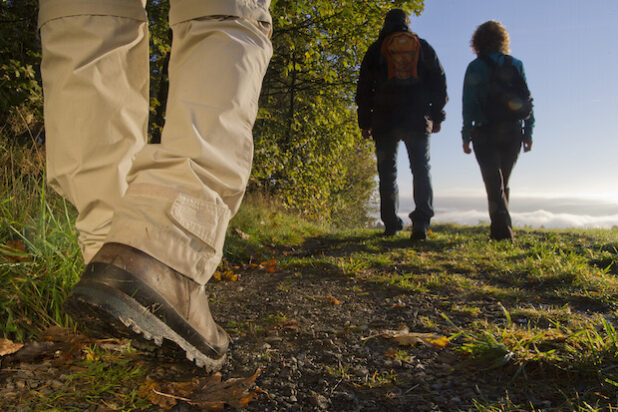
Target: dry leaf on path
(404, 337)
(149, 390)
(32, 351)
(290, 324)
(8, 347)
(14, 251)
(242, 234)
(207, 393)
(391, 353)
(228, 275)
(233, 392)
(332, 300)
(64, 335)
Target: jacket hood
(395, 20)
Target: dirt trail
(315, 334)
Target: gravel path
(316, 336)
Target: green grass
(37, 280)
(540, 312)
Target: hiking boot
(419, 231)
(124, 292)
(391, 230)
(418, 235)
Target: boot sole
(104, 311)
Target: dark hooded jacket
(413, 106)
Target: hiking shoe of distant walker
(392, 230)
(418, 235)
(125, 293)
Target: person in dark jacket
(407, 111)
(496, 144)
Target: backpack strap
(508, 60)
(488, 61)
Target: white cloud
(549, 212)
(538, 218)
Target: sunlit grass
(39, 256)
(541, 310)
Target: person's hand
(466, 148)
(436, 127)
(366, 133)
(527, 145)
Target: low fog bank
(525, 211)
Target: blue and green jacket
(476, 83)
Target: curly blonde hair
(490, 37)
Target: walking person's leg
(417, 145)
(168, 230)
(95, 82)
(489, 159)
(386, 157)
(510, 146)
(509, 153)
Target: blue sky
(571, 61)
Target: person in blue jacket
(496, 144)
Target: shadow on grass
(377, 260)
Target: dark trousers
(417, 145)
(496, 149)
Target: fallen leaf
(64, 335)
(233, 392)
(440, 342)
(91, 356)
(206, 393)
(290, 324)
(33, 350)
(8, 347)
(14, 251)
(398, 305)
(404, 337)
(228, 275)
(391, 353)
(149, 391)
(242, 234)
(332, 300)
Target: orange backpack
(401, 51)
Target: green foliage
(160, 47)
(309, 152)
(261, 225)
(20, 91)
(37, 277)
(308, 147)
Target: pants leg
(95, 82)
(183, 191)
(508, 157)
(417, 145)
(496, 154)
(386, 157)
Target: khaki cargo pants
(171, 200)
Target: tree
(308, 148)
(20, 52)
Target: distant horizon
(526, 211)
